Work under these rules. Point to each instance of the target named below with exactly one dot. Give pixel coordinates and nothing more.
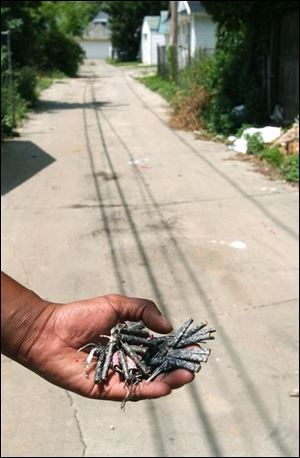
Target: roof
(153, 22)
(163, 25)
(196, 7)
(98, 28)
(192, 7)
(101, 17)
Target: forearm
(22, 316)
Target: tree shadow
(53, 105)
(20, 161)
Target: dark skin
(45, 336)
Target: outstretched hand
(51, 350)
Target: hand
(51, 350)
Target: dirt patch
(260, 166)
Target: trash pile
(288, 142)
(268, 135)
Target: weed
(290, 168)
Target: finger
(135, 309)
(176, 378)
(119, 391)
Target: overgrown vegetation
(167, 89)
(42, 43)
(288, 166)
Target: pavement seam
(259, 306)
(76, 417)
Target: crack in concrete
(254, 307)
(76, 417)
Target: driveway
(99, 195)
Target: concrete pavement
(100, 196)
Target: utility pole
(174, 28)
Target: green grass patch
(156, 83)
(119, 63)
(44, 81)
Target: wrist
(23, 320)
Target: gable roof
(153, 22)
(101, 17)
(98, 28)
(163, 24)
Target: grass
(118, 63)
(167, 89)
(45, 81)
(287, 166)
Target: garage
(96, 49)
(96, 39)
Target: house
(196, 31)
(96, 39)
(152, 35)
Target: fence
(183, 59)
(162, 61)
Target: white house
(196, 30)
(96, 39)
(153, 35)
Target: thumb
(135, 309)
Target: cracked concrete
(148, 234)
(76, 416)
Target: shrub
(26, 84)
(62, 53)
(290, 168)
(272, 155)
(255, 143)
(188, 108)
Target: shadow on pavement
(49, 105)
(20, 161)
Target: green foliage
(26, 81)
(126, 20)
(272, 155)
(45, 81)
(255, 144)
(171, 64)
(165, 88)
(243, 35)
(290, 168)
(198, 72)
(41, 41)
(13, 107)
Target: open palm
(53, 353)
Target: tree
(126, 20)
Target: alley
(100, 196)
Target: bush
(188, 108)
(290, 168)
(198, 72)
(26, 84)
(61, 53)
(272, 155)
(255, 144)
(13, 108)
